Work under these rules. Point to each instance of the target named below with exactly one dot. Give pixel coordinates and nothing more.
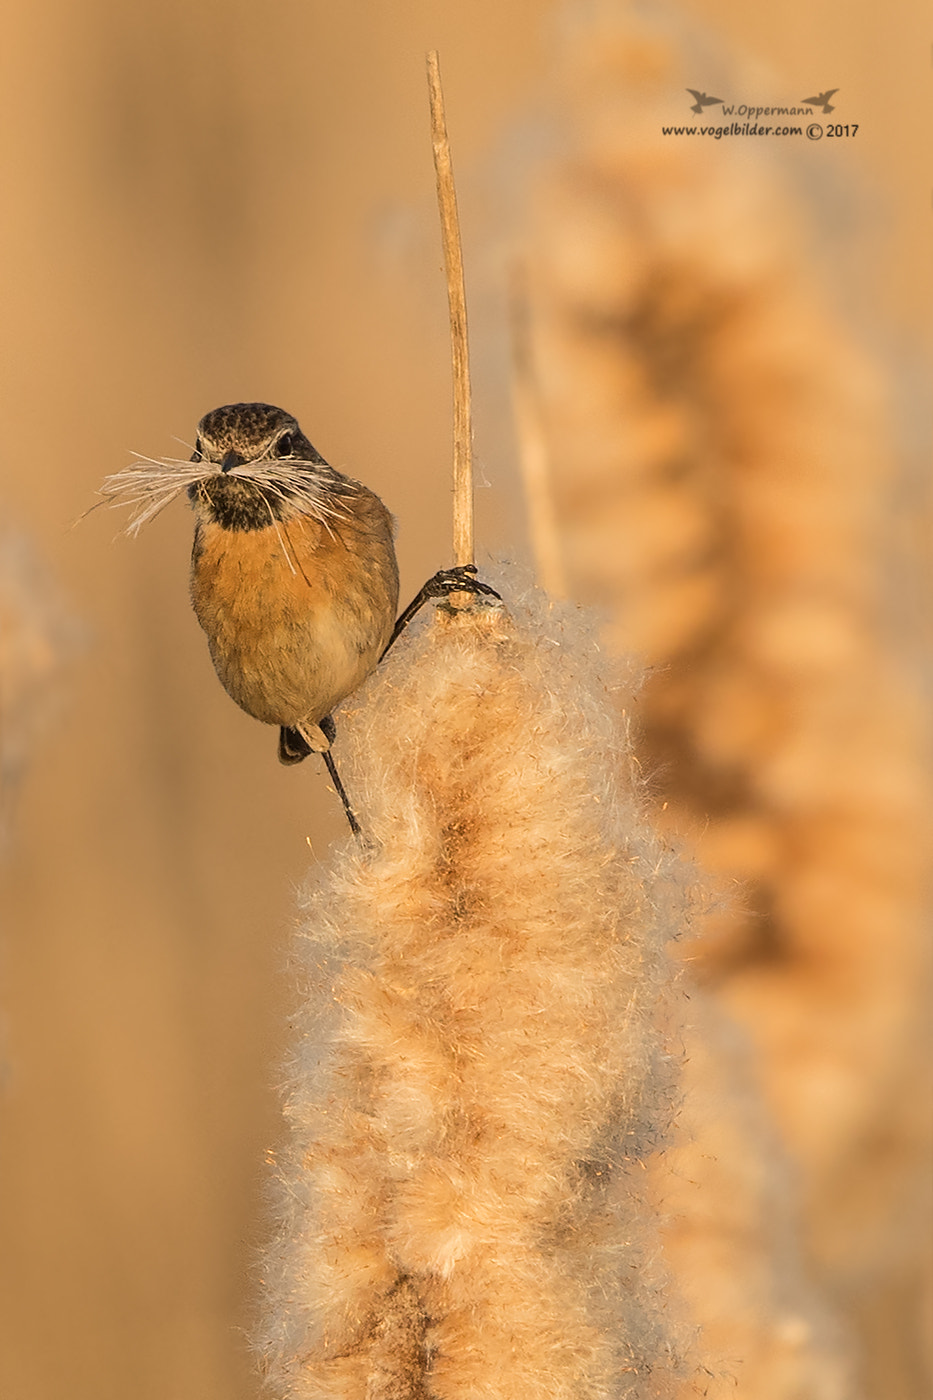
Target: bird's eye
(285, 445)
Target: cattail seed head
(462, 1192)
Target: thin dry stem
(456, 297)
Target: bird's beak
(231, 459)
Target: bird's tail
(296, 742)
(293, 747)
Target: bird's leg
(294, 746)
(329, 730)
(342, 794)
(444, 582)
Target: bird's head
(251, 467)
(241, 433)
(257, 465)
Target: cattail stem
(456, 298)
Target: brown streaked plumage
(293, 577)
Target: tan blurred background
(208, 202)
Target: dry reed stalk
(723, 473)
(459, 343)
(533, 451)
(463, 1188)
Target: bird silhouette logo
(821, 100)
(702, 100)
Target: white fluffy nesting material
(463, 1188)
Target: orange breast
(296, 615)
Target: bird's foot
(446, 581)
(456, 580)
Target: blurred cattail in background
(465, 1192)
(724, 1192)
(35, 637)
(724, 477)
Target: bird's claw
(457, 580)
(445, 581)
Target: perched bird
(701, 100)
(822, 100)
(293, 572)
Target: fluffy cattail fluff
(723, 476)
(470, 1118)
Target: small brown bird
(293, 572)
